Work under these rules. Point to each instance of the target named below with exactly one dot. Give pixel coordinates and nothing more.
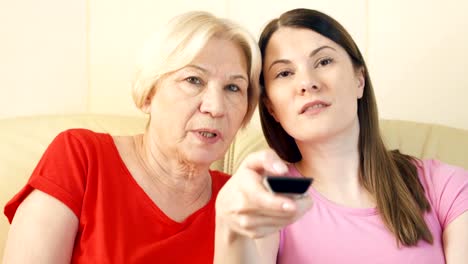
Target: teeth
(207, 134)
(316, 106)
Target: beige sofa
(23, 140)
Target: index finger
(268, 203)
(264, 161)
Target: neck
(334, 165)
(173, 179)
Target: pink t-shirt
(331, 233)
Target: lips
(314, 106)
(208, 133)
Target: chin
(312, 131)
(203, 157)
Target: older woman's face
(197, 110)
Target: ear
(269, 107)
(361, 82)
(146, 108)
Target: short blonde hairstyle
(179, 42)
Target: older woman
(97, 198)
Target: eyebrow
(313, 53)
(236, 77)
(197, 67)
(232, 77)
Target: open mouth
(313, 107)
(207, 134)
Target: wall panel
(418, 59)
(117, 35)
(42, 57)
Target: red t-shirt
(118, 222)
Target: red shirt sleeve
(61, 173)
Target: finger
(252, 195)
(302, 206)
(258, 233)
(264, 161)
(255, 221)
(261, 202)
(258, 225)
(267, 203)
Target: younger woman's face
(311, 84)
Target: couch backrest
(418, 139)
(23, 140)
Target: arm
(43, 231)
(456, 240)
(249, 217)
(231, 247)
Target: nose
(309, 87)
(212, 102)
(308, 83)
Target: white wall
(43, 60)
(116, 36)
(418, 59)
(78, 56)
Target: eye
(194, 80)
(324, 62)
(233, 88)
(283, 74)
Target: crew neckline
(318, 197)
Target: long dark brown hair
(390, 176)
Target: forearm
(456, 240)
(43, 231)
(231, 247)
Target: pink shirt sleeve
(447, 189)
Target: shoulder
(446, 187)
(77, 145)
(436, 173)
(81, 134)
(81, 138)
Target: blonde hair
(180, 41)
